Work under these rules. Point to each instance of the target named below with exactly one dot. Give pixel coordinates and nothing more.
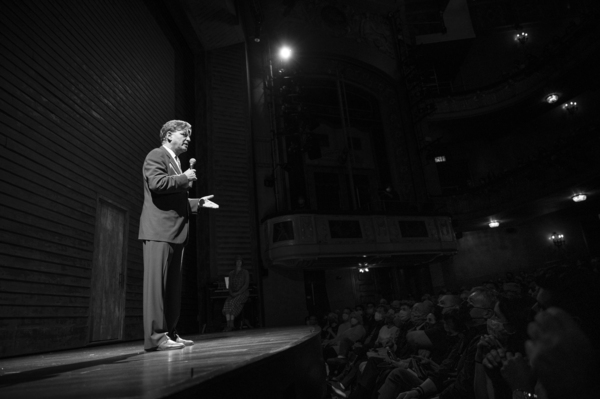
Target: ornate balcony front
(336, 241)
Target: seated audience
(506, 332)
(417, 368)
(486, 347)
(345, 324)
(388, 334)
(331, 327)
(436, 340)
(479, 305)
(342, 343)
(361, 347)
(311, 320)
(369, 318)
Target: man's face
(179, 141)
(480, 308)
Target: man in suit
(164, 231)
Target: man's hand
(190, 174)
(205, 203)
(485, 344)
(494, 358)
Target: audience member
(343, 342)
(486, 360)
(388, 334)
(506, 332)
(345, 324)
(436, 340)
(330, 328)
(369, 318)
(479, 305)
(409, 374)
(395, 306)
(311, 321)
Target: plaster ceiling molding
(215, 22)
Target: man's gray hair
(490, 295)
(174, 126)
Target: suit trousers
(162, 291)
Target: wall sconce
(494, 223)
(551, 98)
(570, 107)
(557, 239)
(579, 197)
(522, 38)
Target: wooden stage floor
(260, 363)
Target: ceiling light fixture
(579, 197)
(570, 107)
(557, 239)
(552, 98)
(522, 37)
(494, 223)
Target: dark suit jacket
(166, 204)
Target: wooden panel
(84, 88)
(109, 272)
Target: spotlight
(285, 53)
(579, 197)
(494, 223)
(552, 98)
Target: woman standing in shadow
(239, 280)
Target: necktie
(178, 164)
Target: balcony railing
(322, 240)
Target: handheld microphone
(192, 163)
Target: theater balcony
(324, 241)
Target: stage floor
(265, 363)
